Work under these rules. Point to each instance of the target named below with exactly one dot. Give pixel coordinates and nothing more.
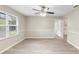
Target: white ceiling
(26, 10)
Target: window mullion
(7, 27)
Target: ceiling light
(42, 14)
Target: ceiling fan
(44, 11)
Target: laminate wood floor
(43, 46)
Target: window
(8, 25)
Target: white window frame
(7, 25)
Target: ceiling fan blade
(75, 6)
(37, 13)
(50, 12)
(35, 9)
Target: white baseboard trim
(73, 32)
(11, 46)
(73, 44)
(40, 37)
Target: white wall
(73, 27)
(41, 27)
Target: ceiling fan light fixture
(43, 14)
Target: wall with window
(12, 27)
